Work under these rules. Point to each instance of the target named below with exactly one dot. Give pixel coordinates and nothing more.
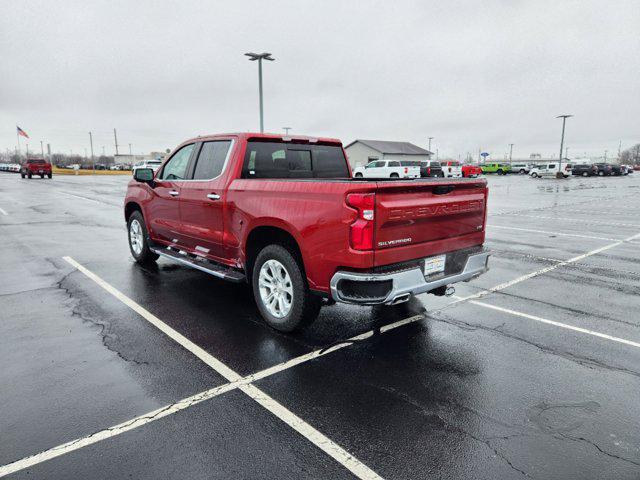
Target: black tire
(49, 175)
(305, 306)
(394, 175)
(145, 256)
(358, 175)
(534, 175)
(42, 176)
(29, 175)
(22, 175)
(522, 171)
(500, 172)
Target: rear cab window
(293, 160)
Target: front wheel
(585, 174)
(394, 175)
(49, 175)
(534, 175)
(29, 175)
(281, 292)
(358, 175)
(139, 240)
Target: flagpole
(18, 137)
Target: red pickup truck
(284, 215)
(36, 166)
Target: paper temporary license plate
(434, 265)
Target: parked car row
(601, 169)
(10, 167)
(416, 169)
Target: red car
(36, 166)
(284, 215)
(471, 171)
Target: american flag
(22, 132)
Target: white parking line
(557, 324)
(185, 403)
(572, 219)
(546, 232)
(3, 212)
(510, 283)
(347, 460)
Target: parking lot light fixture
(259, 57)
(564, 120)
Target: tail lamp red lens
(361, 231)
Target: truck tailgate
(418, 218)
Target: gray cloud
(470, 74)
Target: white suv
(386, 169)
(551, 169)
(520, 168)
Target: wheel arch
(262, 235)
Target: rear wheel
(500, 172)
(139, 240)
(22, 175)
(49, 175)
(522, 171)
(585, 174)
(394, 175)
(281, 292)
(358, 175)
(534, 175)
(29, 175)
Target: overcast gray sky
(471, 74)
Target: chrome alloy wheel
(136, 237)
(276, 291)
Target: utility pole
(42, 148)
(130, 154)
(93, 161)
(259, 57)
(429, 147)
(566, 152)
(286, 130)
(49, 152)
(115, 137)
(564, 120)
(510, 153)
(619, 149)
(103, 151)
(605, 156)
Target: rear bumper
(399, 286)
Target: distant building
(361, 152)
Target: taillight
(428, 170)
(406, 170)
(361, 231)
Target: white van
(386, 169)
(550, 169)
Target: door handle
(174, 193)
(213, 196)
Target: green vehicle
(499, 168)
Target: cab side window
(211, 160)
(176, 168)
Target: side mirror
(143, 175)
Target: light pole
(259, 57)
(564, 120)
(286, 130)
(510, 153)
(429, 147)
(93, 160)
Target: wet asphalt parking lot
(110, 370)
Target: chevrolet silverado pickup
(284, 215)
(36, 166)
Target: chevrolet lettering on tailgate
(436, 210)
